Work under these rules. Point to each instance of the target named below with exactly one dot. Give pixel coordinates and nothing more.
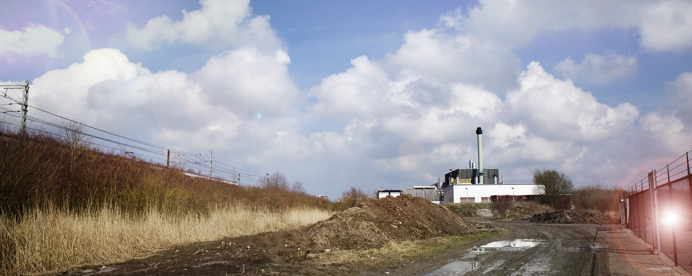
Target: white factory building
(477, 185)
(470, 185)
(468, 193)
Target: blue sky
(373, 95)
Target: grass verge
(50, 239)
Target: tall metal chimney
(479, 132)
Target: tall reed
(54, 239)
(65, 204)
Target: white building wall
(381, 194)
(453, 194)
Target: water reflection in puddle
(472, 260)
(513, 245)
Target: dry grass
(52, 240)
(113, 207)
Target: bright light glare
(670, 219)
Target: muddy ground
(343, 245)
(373, 224)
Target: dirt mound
(374, 223)
(575, 216)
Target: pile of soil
(372, 224)
(575, 216)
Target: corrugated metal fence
(663, 218)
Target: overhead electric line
(186, 160)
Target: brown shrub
(595, 197)
(39, 170)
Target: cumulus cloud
(513, 23)
(66, 90)
(667, 26)
(206, 108)
(668, 132)
(558, 109)
(681, 94)
(433, 54)
(358, 92)
(32, 41)
(664, 25)
(217, 23)
(598, 69)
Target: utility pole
(25, 105)
(210, 155)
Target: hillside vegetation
(65, 204)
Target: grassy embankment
(64, 204)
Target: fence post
(670, 199)
(654, 207)
(668, 171)
(687, 156)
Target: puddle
(472, 259)
(513, 245)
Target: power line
(182, 158)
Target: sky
(370, 94)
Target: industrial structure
(469, 185)
(473, 184)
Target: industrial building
(469, 185)
(431, 193)
(383, 193)
(469, 193)
(476, 185)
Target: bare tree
(353, 197)
(298, 188)
(77, 141)
(275, 181)
(553, 183)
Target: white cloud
(250, 82)
(217, 23)
(667, 26)
(667, 131)
(203, 109)
(558, 109)
(681, 94)
(66, 90)
(359, 92)
(599, 69)
(433, 54)
(515, 145)
(32, 41)
(664, 25)
(514, 23)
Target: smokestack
(479, 132)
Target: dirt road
(550, 249)
(348, 239)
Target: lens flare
(670, 219)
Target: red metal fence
(663, 218)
